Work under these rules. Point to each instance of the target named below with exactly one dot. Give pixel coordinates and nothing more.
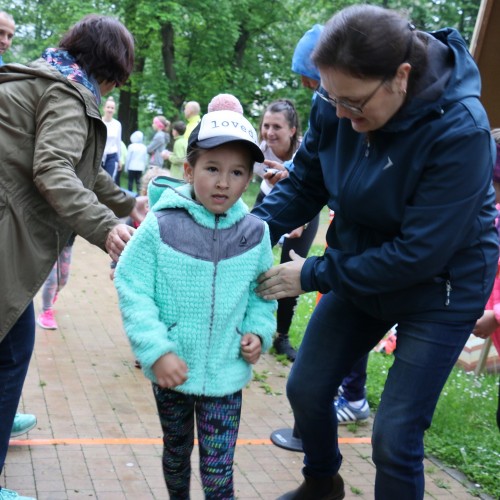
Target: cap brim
(213, 142)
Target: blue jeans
(338, 335)
(15, 354)
(110, 164)
(354, 383)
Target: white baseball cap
(220, 127)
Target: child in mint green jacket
(186, 284)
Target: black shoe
(318, 488)
(282, 346)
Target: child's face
(220, 176)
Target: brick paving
(98, 435)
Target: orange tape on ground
(148, 441)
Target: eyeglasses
(357, 110)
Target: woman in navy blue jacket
(399, 147)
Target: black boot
(282, 346)
(318, 488)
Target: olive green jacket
(51, 182)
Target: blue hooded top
(301, 60)
(413, 234)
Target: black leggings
(134, 176)
(302, 245)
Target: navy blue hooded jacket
(413, 234)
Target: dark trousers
(339, 334)
(134, 176)
(15, 354)
(302, 245)
(217, 420)
(354, 383)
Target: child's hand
(251, 348)
(170, 371)
(485, 325)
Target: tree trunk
(128, 112)
(240, 46)
(168, 57)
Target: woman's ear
(403, 74)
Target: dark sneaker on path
(282, 346)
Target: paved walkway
(98, 435)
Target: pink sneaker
(46, 320)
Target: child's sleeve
(135, 283)
(260, 316)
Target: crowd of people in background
(368, 113)
(166, 149)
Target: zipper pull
(367, 150)
(448, 293)
(215, 227)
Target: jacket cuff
(307, 278)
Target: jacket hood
(301, 61)
(451, 75)
(182, 197)
(137, 137)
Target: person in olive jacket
(51, 182)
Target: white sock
(357, 404)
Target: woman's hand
(117, 239)
(485, 325)
(283, 280)
(296, 233)
(277, 172)
(140, 209)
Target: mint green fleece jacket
(186, 284)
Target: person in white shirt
(111, 158)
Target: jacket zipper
(216, 248)
(353, 175)
(448, 292)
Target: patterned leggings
(218, 420)
(57, 278)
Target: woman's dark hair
(102, 46)
(287, 108)
(179, 127)
(366, 41)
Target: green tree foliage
(195, 50)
